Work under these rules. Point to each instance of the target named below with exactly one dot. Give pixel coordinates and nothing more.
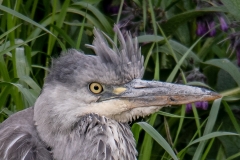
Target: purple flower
(189, 108)
(211, 27)
(207, 24)
(201, 28)
(203, 105)
(223, 23)
(198, 104)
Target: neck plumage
(93, 137)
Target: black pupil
(96, 87)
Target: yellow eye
(95, 88)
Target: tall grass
(32, 31)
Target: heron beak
(140, 93)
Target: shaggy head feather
(110, 66)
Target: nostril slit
(140, 87)
(172, 99)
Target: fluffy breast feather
(94, 137)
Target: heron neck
(94, 136)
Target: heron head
(108, 84)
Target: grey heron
(86, 103)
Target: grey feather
(19, 139)
(119, 67)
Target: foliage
(32, 31)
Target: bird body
(86, 103)
(93, 136)
(19, 139)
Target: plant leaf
(228, 66)
(171, 25)
(233, 7)
(212, 135)
(21, 16)
(157, 137)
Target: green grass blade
(168, 45)
(212, 116)
(64, 35)
(80, 34)
(136, 129)
(89, 26)
(208, 149)
(144, 8)
(25, 92)
(118, 18)
(59, 23)
(153, 17)
(234, 156)
(157, 67)
(158, 138)
(148, 55)
(195, 112)
(51, 39)
(9, 31)
(21, 16)
(172, 115)
(105, 23)
(6, 111)
(231, 116)
(146, 148)
(209, 126)
(40, 67)
(178, 47)
(183, 151)
(17, 45)
(92, 19)
(209, 146)
(21, 63)
(228, 66)
(210, 136)
(180, 126)
(177, 67)
(5, 91)
(221, 154)
(29, 81)
(199, 84)
(3, 70)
